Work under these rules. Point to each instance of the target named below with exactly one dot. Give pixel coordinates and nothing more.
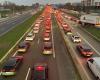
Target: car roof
(11, 62)
(47, 44)
(22, 44)
(85, 46)
(97, 60)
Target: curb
(82, 72)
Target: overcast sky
(29, 2)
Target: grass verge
(10, 38)
(91, 29)
(94, 31)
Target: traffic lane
(13, 18)
(11, 24)
(82, 59)
(29, 57)
(65, 66)
(87, 38)
(52, 66)
(35, 56)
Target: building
(90, 2)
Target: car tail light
(12, 70)
(3, 70)
(40, 68)
(90, 52)
(84, 53)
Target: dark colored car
(85, 50)
(10, 67)
(47, 48)
(23, 46)
(39, 72)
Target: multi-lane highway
(11, 23)
(60, 64)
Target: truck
(90, 19)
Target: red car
(85, 50)
(46, 36)
(39, 72)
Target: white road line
(54, 56)
(15, 54)
(89, 44)
(27, 74)
(38, 41)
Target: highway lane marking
(89, 44)
(54, 56)
(28, 73)
(38, 41)
(14, 54)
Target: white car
(37, 25)
(36, 31)
(94, 65)
(30, 37)
(75, 38)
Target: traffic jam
(85, 52)
(39, 71)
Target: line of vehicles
(86, 19)
(85, 50)
(39, 71)
(13, 63)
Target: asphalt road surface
(11, 23)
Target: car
(85, 50)
(48, 30)
(47, 48)
(23, 47)
(64, 25)
(11, 66)
(30, 37)
(67, 31)
(35, 31)
(39, 72)
(94, 66)
(37, 24)
(46, 36)
(75, 38)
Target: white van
(94, 65)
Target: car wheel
(97, 78)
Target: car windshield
(29, 35)
(87, 50)
(22, 46)
(77, 37)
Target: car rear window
(87, 50)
